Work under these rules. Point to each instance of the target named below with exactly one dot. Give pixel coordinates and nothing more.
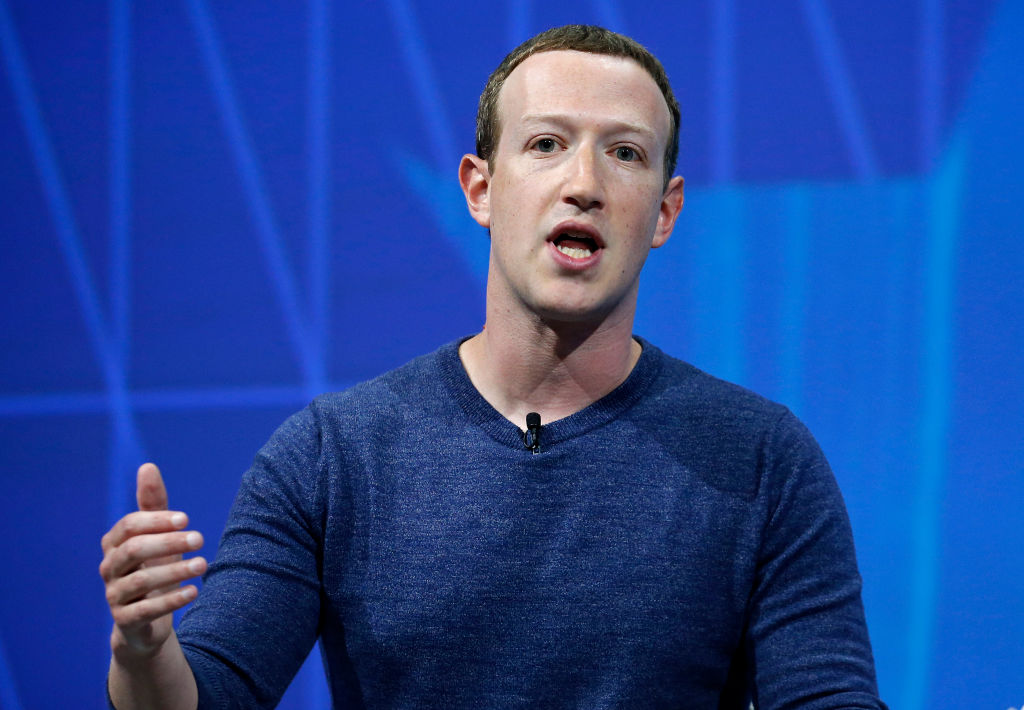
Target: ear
(671, 206)
(475, 179)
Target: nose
(584, 184)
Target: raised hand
(142, 568)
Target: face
(576, 199)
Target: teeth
(574, 252)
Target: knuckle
(132, 548)
(130, 525)
(133, 614)
(121, 616)
(113, 536)
(134, 584)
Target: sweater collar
(480, 412)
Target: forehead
(586, 86)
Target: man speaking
(551, 513)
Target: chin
(575, 314)
(584, 305)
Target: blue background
(213, 209)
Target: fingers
(142, 566)
(150, 492)
(140, 549)
(148, 610)
(143, 523)
(142, 583)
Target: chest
(495, 557)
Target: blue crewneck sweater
(681, 543)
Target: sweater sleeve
(807, 638)
(256, 617)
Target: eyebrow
(615, 126)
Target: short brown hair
(579, 38)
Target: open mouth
(576, 245)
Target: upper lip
(578, 229)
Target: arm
(258, 615)
(808, 640)
(161, 680)
(142, 567)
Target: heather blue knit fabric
(673, 545)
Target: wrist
(154, 677)
(134, 653)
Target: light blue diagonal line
(796, 245)
(945, 193)
(444, 200)
(518, 21)
(840, 86)
(610, 15)
(253, 187)
(932, 60)
(319, 184)
(8, 690)
(723, 90)
(425, 84)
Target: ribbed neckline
(604, 410)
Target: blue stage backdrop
(213, 209)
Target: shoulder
(685, 394)
(350, 428)
(354, 426)
(728, 434)
(406, 391)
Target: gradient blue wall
(212, 209)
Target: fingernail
(178, 520)
(195, 565)
(188, 592)
(194, 540)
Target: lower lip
(572, 264)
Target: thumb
(150, 491)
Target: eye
(626, 154)
(546, 145)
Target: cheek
(511, 207)
(505, 217)
(642, 217)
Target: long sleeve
(256, 617)
(807, 638)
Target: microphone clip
(531, 437)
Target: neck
(555, 369)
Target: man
(658, 539)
